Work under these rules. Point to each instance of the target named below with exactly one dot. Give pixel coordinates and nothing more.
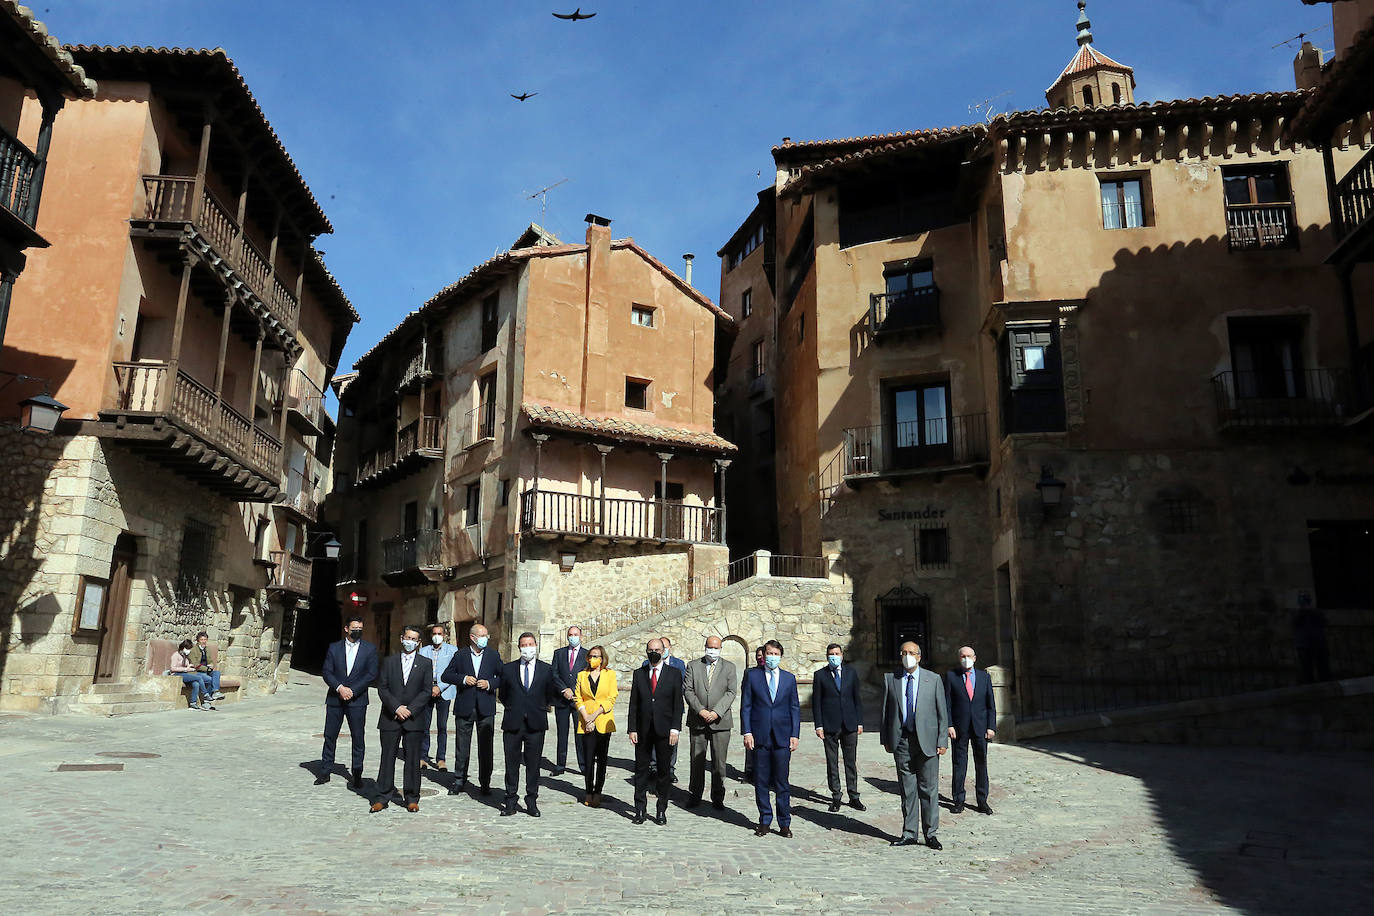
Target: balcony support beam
(238, 217)
(51, 105)
(601, 485)
(663, 458)
(257, 366)
(202, 167)
(721, 465)
(188, 263)
(227, 312)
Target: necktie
(968, 683)
(527, 675)
(710, 673)
(653, 680)
(910, 702)
(837, 678)
(572, 659)
(772, 685)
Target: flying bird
(574, 15)
(522, 96)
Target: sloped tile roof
(548, 417)
(915, 140)
(1346, 90)
(1212, 104)
(841, 146)
(65, 68)
(1088, 59)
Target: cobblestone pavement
(226, 819)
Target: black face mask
(355, 635)
(655, 657)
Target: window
(1032, 381)
(1340, 562)
(486, 406)
(473, 507)
(903, 616)
(910, 298)
(1266, 357)
(1116, 93)
(193, 566)
(1087, 95)
(757, 368)
(1259, 207)
(918, 427)
(636, 394)
(642, 315)
(491, 321)
(746, 303)
(503, 492)
(932, 548)
(1180, 514)
(1123, 203)
(746, 247)
(410, 517)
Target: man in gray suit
(710, 692)
(915, 732)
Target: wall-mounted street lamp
(40, 412)
(331, 547)
(1051, 488)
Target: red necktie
(653, 680)
(968, 683)
(572, 659)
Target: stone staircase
(122, 699)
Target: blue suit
(774, 722)
(336, 708)
(971, 718)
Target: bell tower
(1092, 79)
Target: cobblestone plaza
(215, 812)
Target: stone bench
(155, 667)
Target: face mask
(480, 642)
(713, 654)
(529, 652)
(574, 641)
(909, 661)
(437, 639)
(185, 651)
(966, 662)
(594, 662)
(355, 635)
(410, 645)
(667, 651)
(772, 661)
(654, 657)
(835, 660)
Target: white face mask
(529, 652)
(910, 661)
(410, 645)
(437, 639)
(713, 654)
(185, 651)
(966, 661)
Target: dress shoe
(413, 807)
(321, 779)
(957, 809)
(906, 841)
(508, 810)
(639, 818)
(694, 801)
(984, 808)
(376, 806)
(857, 805)
(595, 800)
(532, 809)
(559, 771)
(834, 806)
(661, 818)
(934, 843)
(718, 805)
(761, 830)
(785, 832)
(357, 782)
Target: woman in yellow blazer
(596, 693)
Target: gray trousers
(919, 777)
(719, 742)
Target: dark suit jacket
(336, 673)
(414, 694)
(474, 702)
(771, 722)
(526, 710)
(562, 678)
(657, 711)
(836, 709)
(970, 717)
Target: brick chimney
(1307, 66)
(596, 340)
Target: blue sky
(659, 115)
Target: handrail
(1257, 226)
(1293, 398)
(908, 310)
(915, 444)
(419, 549)
(18, 169)
(1355, 197)
(619, 517)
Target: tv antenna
(984, 109)
(1288, 42)
(542, 195)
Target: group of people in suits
(923, 715)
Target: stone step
(100, 689)
(126, 707)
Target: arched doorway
(737, 652)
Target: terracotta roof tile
(68, 70)
(322, 273)
(548, 417)
(1205, 105)
(1345, 90)
(905, 142)
(1088, 59)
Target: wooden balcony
(574, 517)
(1355, 214)
(417, 443)
(292, 573)
(300, 498)
(181, 424)
(423, 368)
(413, 559)
(18, 181)
(304, 402)
(171, 209)
(1252, 227)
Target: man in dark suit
(669, 659)
(838, 712)
(476, 672)
(748, 754)
(655, 720)
(350, 667)
(568, 662)
(526, 690)
(405, 686)
(770, 718)
(915, 718)
(972, 717)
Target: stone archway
(735, 650)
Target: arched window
(1087, 95)
(1116, 94)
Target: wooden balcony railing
(18, 169)
(941, 442)
(423, 436)
(1355, 197)
(422, 366)
(1315, 397)
(292, 573)
(619, 518)
(1251, 227)
(305, 398)
(422, 549)
(301, 494)
(141, 389)
(169, 200)
(909, 310)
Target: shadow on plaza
(1266, 832)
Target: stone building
(533, 446)
(186, 320)
(1073, 386)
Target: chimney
(687, 268)
(599, 235)
(1307, 66)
